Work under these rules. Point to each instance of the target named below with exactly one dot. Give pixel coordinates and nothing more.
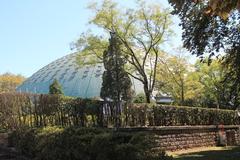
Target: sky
(34, 33)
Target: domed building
(76, 81)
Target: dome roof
(77, 81)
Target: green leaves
(116, 82)
(91, 49)
(55, 88)
(142, 30)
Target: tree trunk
(118, 114)
(182, 95)
(147, 94)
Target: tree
(55, 88)
(141, 31)
(9, 82)
(221, 8)
(116, 82)
(212, 32)
(172, 72)
(215, 93)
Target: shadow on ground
(230, 153)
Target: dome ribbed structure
(76, 81)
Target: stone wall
(172, 138)
(3, 139)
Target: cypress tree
(116, 82)
(55, 88)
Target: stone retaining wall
(184, 137)
(3, 139)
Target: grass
(209, 153)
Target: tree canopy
(116, 82)
(141, 30)
(211, 28)
(9, 82)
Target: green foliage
(171, 77)
(162, 115)
(55, 88)
(116, 82)
(141, 30)
(29, 110)
(85, 143)
(198, 85)
(175, 116)
(139, 98)
(24, 111)
(213, 93)
(207, 35)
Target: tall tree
(141, 30)
(55, 88)
(116, 82)
(171, 76)
(215, 93)
(9, 82)
(211, 27)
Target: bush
(84, 144)
(140, 98)
(163, 115)
(27, 110)
(177, 116)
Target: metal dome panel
(76, 81)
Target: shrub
(176, 115)
(163, 115)
(84, 144)
(29, 110)
(140, 98)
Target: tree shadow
(232, 153)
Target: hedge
(176, 116)
(31, 110)
(53, 143)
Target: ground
(9, 154)
(211, 153)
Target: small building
(164, 99)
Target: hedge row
(175, 115)
(33, 110)
(159, 115)
(21, 110)
(53, 143)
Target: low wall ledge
(172, 128)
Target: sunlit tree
(142, 30)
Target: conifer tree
(116, 82)
(55, 88)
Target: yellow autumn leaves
(9, 82)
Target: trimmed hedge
(53, 143)
(172, 115)
(159, 115)
(30, 110)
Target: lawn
(212, 153)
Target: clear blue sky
(33, 33)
